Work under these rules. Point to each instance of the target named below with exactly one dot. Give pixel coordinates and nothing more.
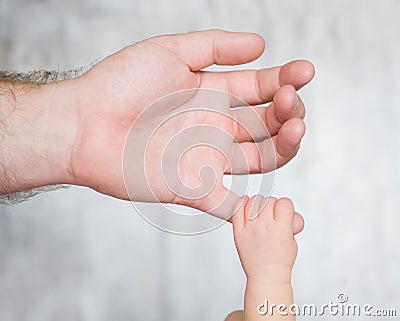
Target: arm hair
(8, 79)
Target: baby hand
(264, 237)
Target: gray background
(77, 255)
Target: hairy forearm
(36, 131)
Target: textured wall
(77, 255)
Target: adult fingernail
(296, 104)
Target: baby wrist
(271, 273)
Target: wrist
(271, 273)
(61, 128)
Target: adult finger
(267, 155)
(201, 49)
(259, 86)
(256, 123)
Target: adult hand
(83, 123)
(114, 93)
